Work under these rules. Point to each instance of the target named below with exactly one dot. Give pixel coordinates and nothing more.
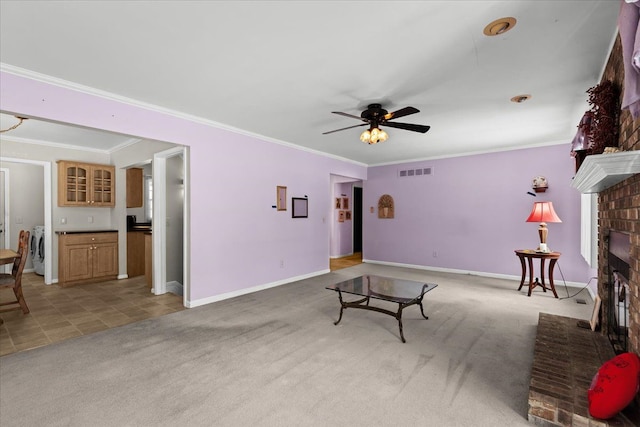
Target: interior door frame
(7, 208)
(6, 238)
(159, 222)
(48, 212)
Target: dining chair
(14, 280)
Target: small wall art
(338, 203)
(347, 215)
(345, 203)
(385, 207)
(341, 216)
(299, 207)
(281, 198)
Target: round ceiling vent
(520, 98)
(499, 26)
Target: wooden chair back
(23, 250)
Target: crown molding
(65, 84)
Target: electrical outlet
(63, 221)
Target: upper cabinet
(86, 184)
(135, 180)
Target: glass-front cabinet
(86, 184)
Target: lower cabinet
(87, 257)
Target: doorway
(171, 222)
(357, 219)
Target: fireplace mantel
(601, 171)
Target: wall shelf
(601, 171)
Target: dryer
(37, 249)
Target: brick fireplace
(559, 398)
(619, 211)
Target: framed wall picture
(281, 198)
(338, 203)
(341, 216)
(347, 215)
(299, 207)
(345, 203)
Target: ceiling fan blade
(401, 113)
(350, 115)
(349, 127)
(408, 126)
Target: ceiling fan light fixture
(499, 26)
(365, 136)
(20, 120)
(373, 136)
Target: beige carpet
(274, 358)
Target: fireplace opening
(619, 258)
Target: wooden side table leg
(524, 271)
(544, 287)
(552, 264)
(531, 284)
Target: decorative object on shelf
(580, 143)
(281, 198)
(598, 127)
(299, 207)
(385, 207)
(540, 184)
(543, 212)
(609, 150)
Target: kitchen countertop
(86, 231)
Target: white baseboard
(175, 288)
(221, 297)
(473, 273)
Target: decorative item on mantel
(598, 127)
(385, 206)
(540, 184)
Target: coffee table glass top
(384, 288)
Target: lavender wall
(470, 213)
(237, 239)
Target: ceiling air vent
(415, 172)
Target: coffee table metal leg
(341, 308)
(399, 317)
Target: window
(148, 198)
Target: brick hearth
(566, 357)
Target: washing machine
(37, 249)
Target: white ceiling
(278, 69)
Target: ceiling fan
(375, 116)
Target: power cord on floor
(567, 288)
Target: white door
(4, 214)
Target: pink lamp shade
(543, 212)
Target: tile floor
(57, 313)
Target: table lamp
(543, 212)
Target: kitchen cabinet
(148, 254)
(86, 184)
(135, 253)
(135, 186)
(85, 257)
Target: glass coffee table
(402, 292)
